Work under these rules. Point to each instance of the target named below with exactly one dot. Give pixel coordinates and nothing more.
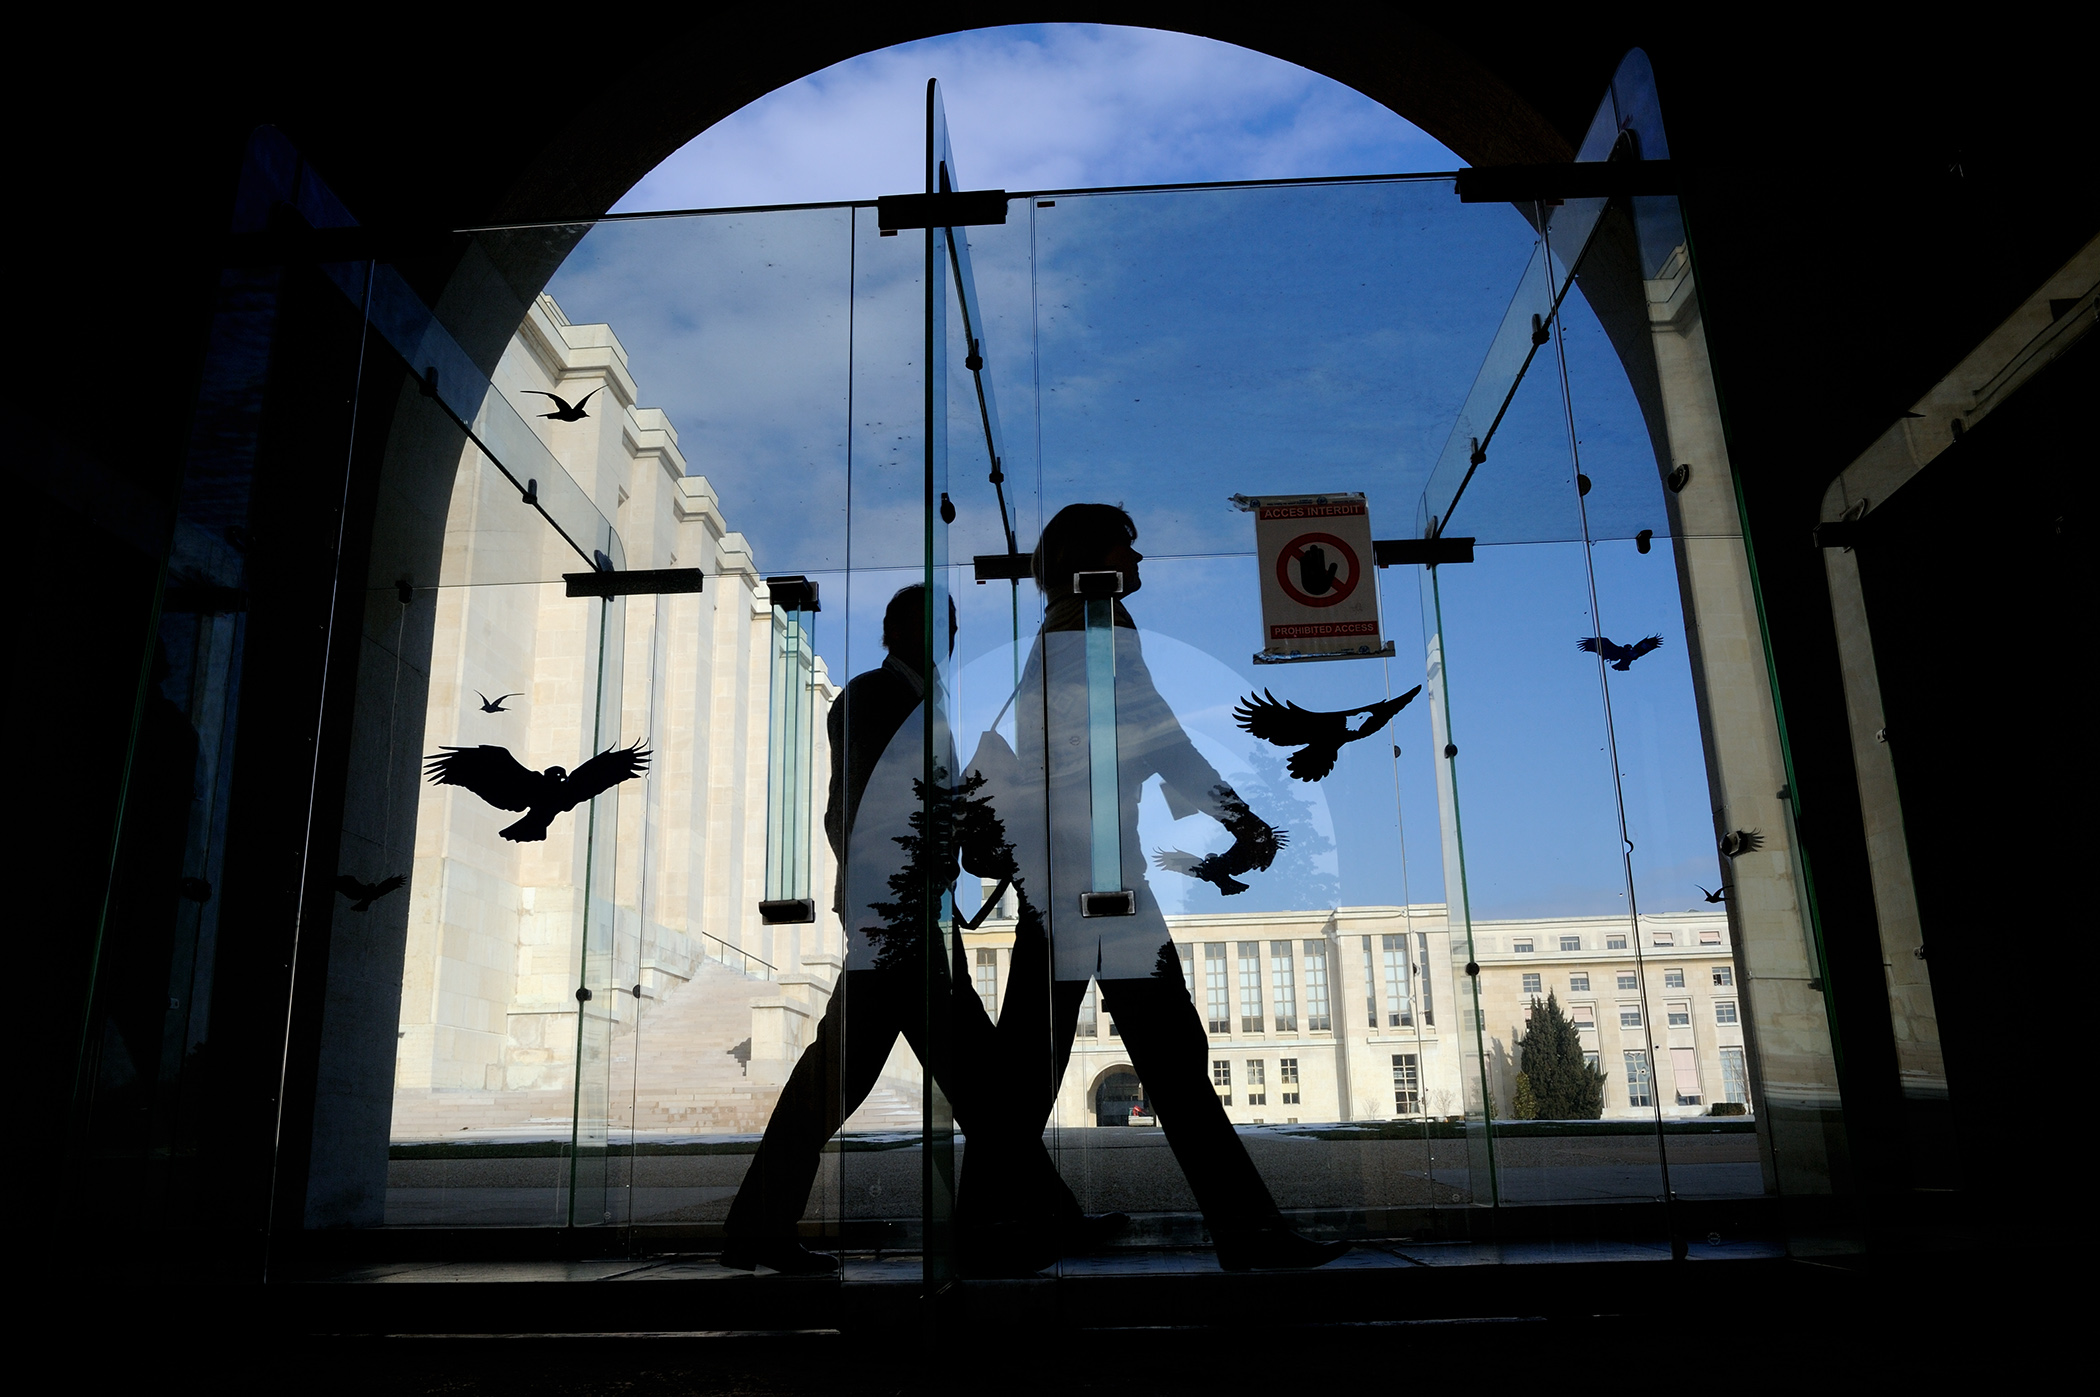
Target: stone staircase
(689, 1055)
(683, 1069)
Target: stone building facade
(501, 933)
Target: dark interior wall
(1865, 206)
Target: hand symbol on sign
(1315, 573)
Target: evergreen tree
(1563, 1084)
(1522, 1105)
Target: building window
(1684, 1066)
(1678, 1013)
(1257, 1083)
(1221, 1078)
(1724, 976)
(1522, 945)
(1571, 943)
(1317, 1019)
(1627, 981)
(988, 980)
(1250, 987)
(1640, 1091)
(1533, 984)
(1370, 988)
(1088, 1017)
(1710, 936)
(1724, 1012)
(1398, 1012)
(1673, 979)
(1215, 987)
(1428, 994)
(1188, 970)
(1283, 987)
(1735, 1075)
(1113, 1031)
(1580, 981)
(1589, 1060)
(1662, 938)
(1629, 1016)
(1407, 1085)
(1583, 1015)
(1615, 943)
(1287, 1078)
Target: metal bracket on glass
(1003, 567)
(1428, 551)
(781, 911)
(1107, 897)
(962, 208)
(636, 582)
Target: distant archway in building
(1116, 1094)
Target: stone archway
(1115, 1095)
(578, 173)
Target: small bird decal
(1251, 852)
(497, 777)
(1321, 735)
(1742, 841)
(562, 411)
(1620, 656)
(1719, 894)
(361, 894)
(494, 705)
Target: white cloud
(1039, 107)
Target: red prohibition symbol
(1318, 579)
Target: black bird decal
(494, 705)
(1719, 894)
(1252, 851)
(362, 894)
(1742, 841)
(1620, 656)
(1322, 735)
(562, 411)
(496, 776)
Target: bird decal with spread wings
(1253, 851)
(362, 894)
(497, 777)
(1620, 657)
(563, 412)
(1321, 735)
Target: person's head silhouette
(1086, 538)
(904, 627)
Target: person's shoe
(1093, 1232)
(1276, 1248)
(789, 1258)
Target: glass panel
(1109, 918)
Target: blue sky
(1165, 351)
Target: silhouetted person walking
(877, 733)
(1049, 818)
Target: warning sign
(1318, 599)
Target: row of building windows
(1614, 941)
(1684, 1070)
(1534, 982)
(1257, 1080)
(1676, 1014)
(1264, 1007)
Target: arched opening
(1304, 311)
(1119, 1099)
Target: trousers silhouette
(1008, 1170)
